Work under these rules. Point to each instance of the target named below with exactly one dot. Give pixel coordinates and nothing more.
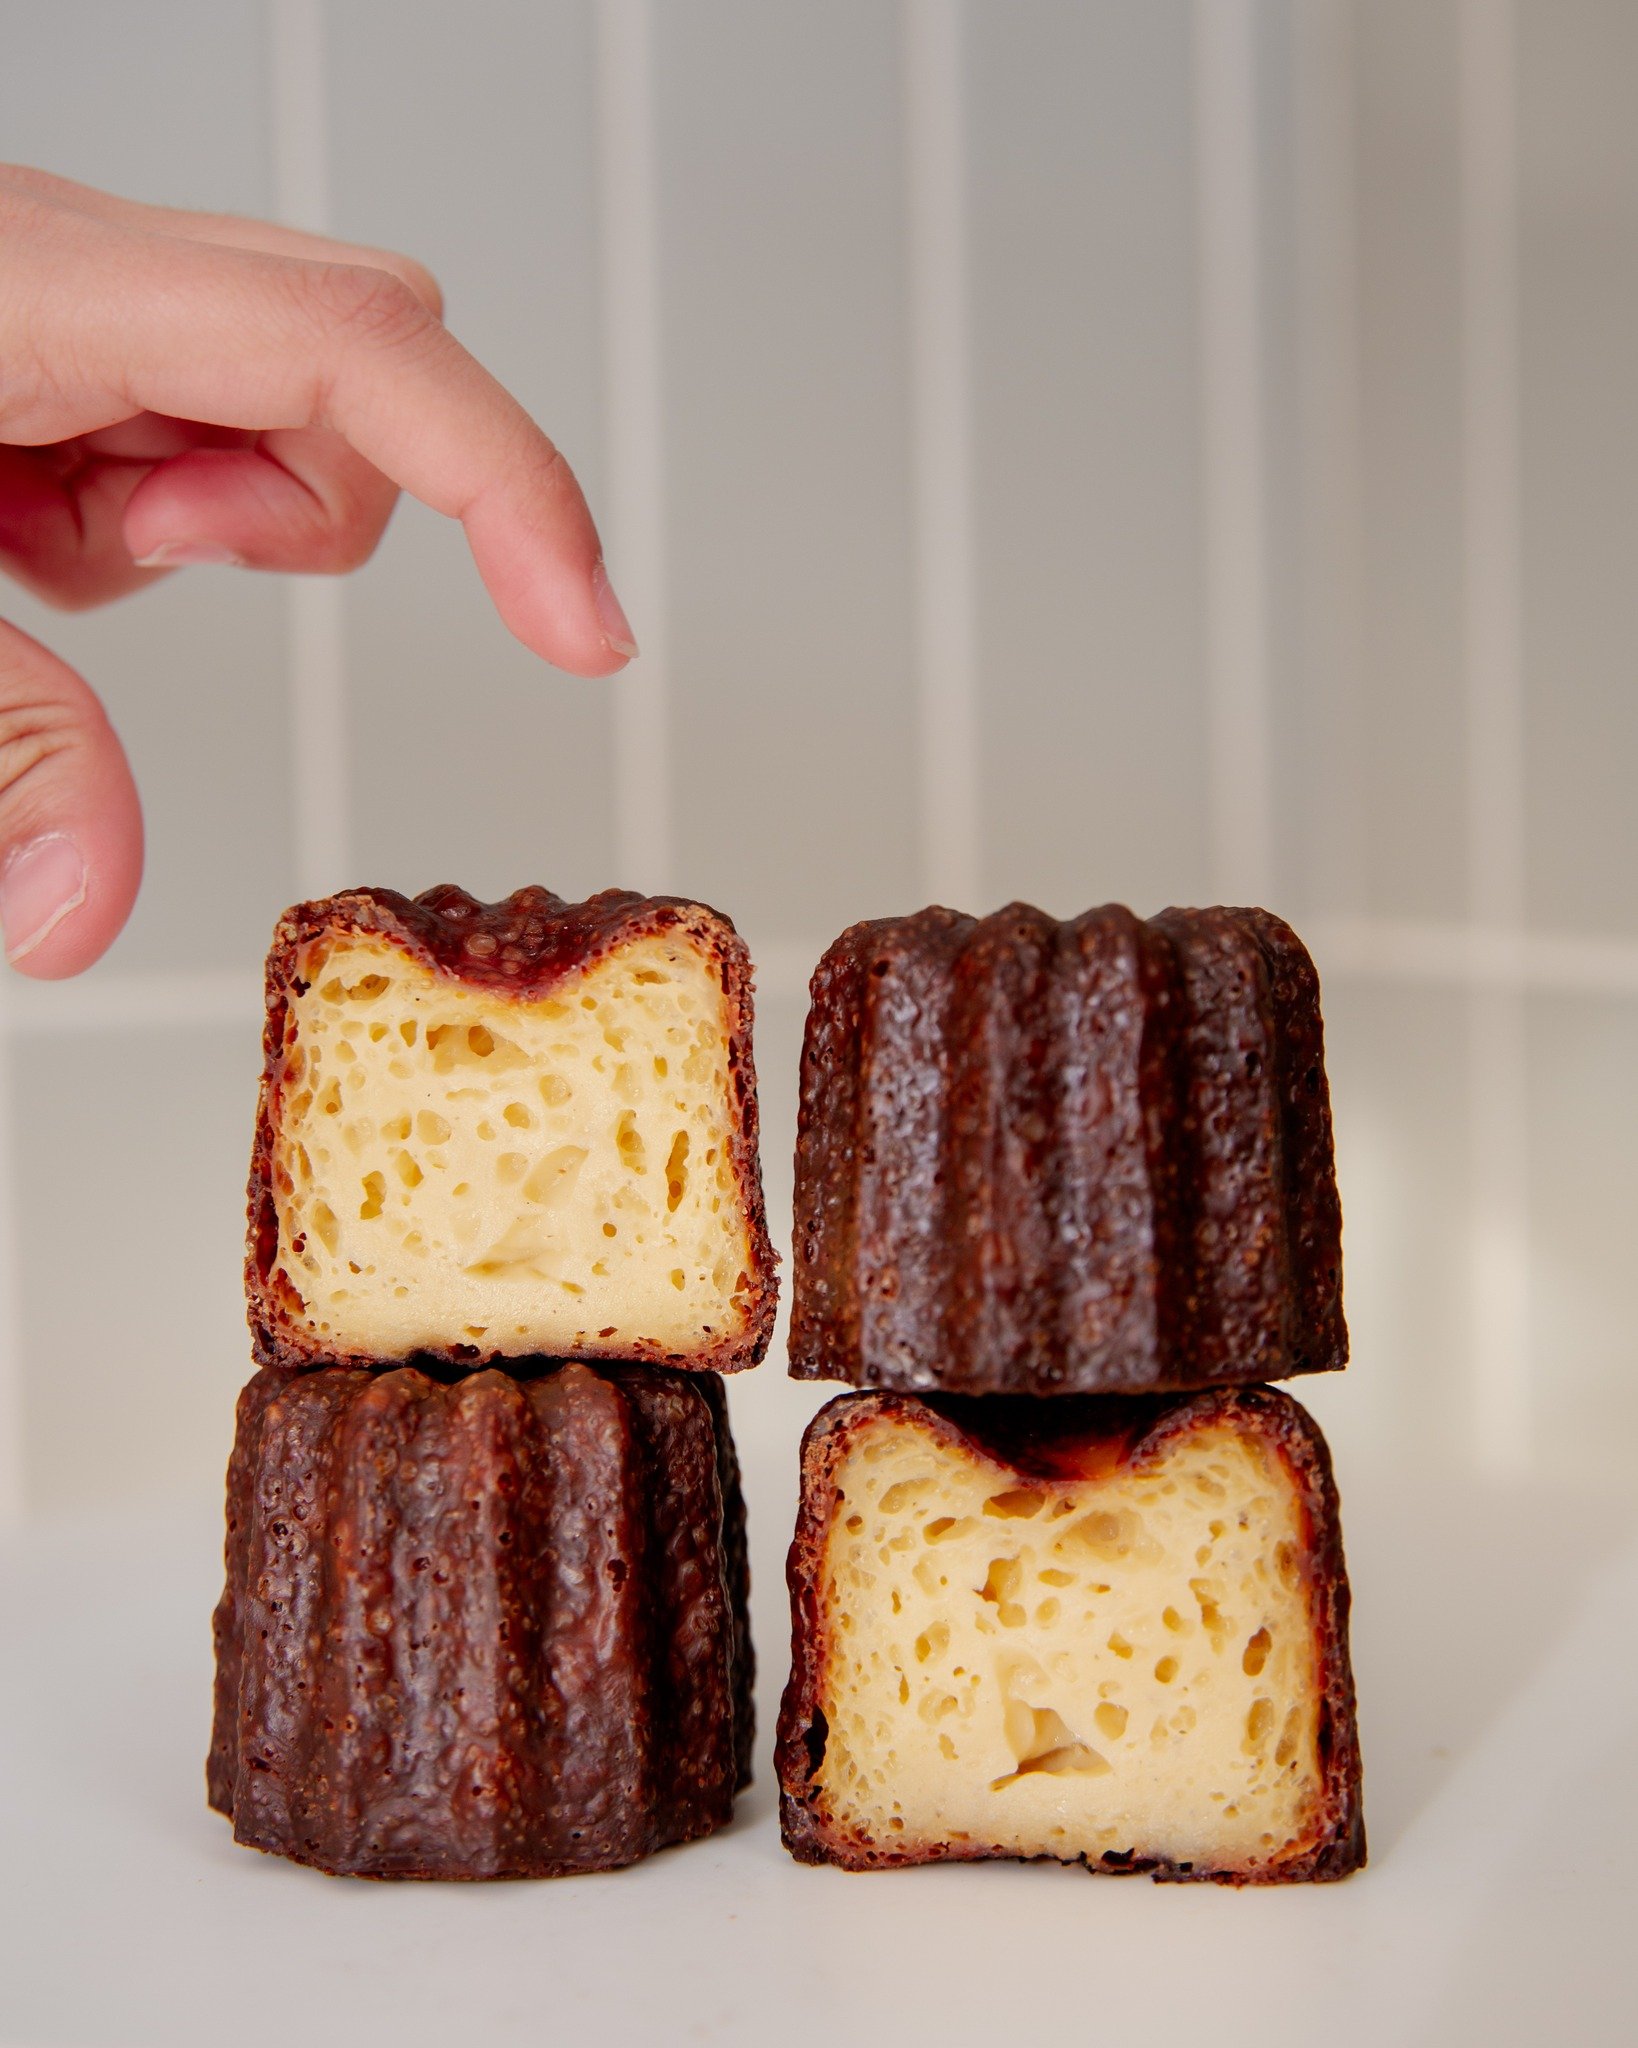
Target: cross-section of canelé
(504, 1130)
(1110, 1631)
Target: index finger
(135, 321)
(227, 230)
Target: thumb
(70, 824)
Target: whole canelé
(1092, 1156)
(494, 1628)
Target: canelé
(1080, 1157)
(492, 1131)
(1107, 1630)
(494, 1627)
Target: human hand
(180, 387)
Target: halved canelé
(1080, 1156)
(488, 1627)
(1108, 1631)
(493, 1131)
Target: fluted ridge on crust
(496, 1628)
(1041, 1156)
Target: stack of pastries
(485, 1611)
(1068, 1579)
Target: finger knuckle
(429, 288)
(357, 502)
(420, 281)
(348, 546)
(79, 588)
(354, 548)
(24, 181)
(30, 175)
(361, 304)
(33, 733)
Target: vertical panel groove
(315, 621)
(1233, 465)
(13, 1476)
(1490, 463)
(1328, 399)
(941, 451)
(1498, 1075)
(635, 487)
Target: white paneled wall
(781, 251)
(1140, 450)
(1088, 356)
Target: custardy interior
(455, 1167)
(1110, 1666)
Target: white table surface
(1494, 1644)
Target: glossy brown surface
(489, 1628)
(1067, 1439)
(1089, 1156)
(520, 949)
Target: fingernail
(616, 626)
(41, 884)
(188, 554)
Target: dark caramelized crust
(1320, 1336)
(494, 1628)
(1081, 1157)
(736, 1559)
(1022, 1448)
(519, 950)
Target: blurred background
(1151, 451)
